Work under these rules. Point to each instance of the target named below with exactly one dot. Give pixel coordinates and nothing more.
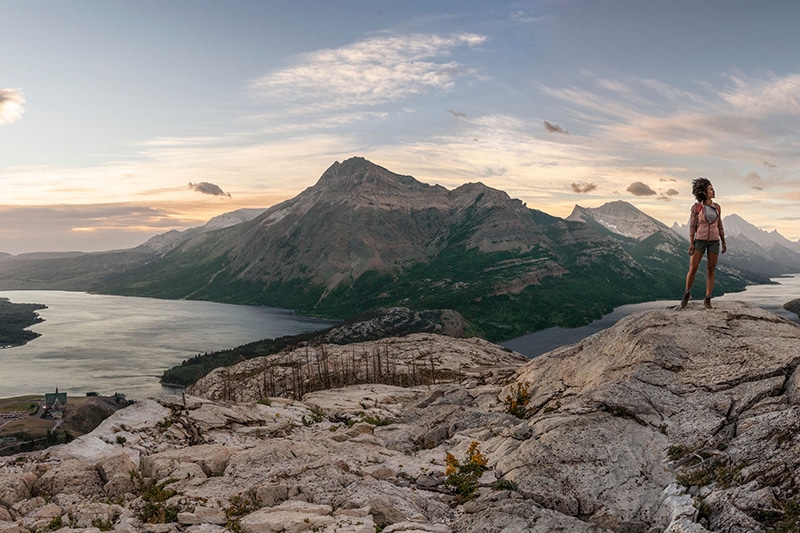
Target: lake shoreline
(121, 344)
(109, 344)
(15, 319)
(543, 341)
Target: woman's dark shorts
(702, 246)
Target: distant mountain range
(754, 250)
(363, 237)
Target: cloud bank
(11, 105)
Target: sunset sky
(120, 120)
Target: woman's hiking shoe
(707, 303)
(686, 298)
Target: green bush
(462, 477)
(154, 495)
(517, 400)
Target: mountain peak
(359, 173)
(619, 217)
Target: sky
(120, 120)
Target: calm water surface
(770, 297)
(123, 344)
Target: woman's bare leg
(694, 264)
(711, 266)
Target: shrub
(155, 510)
(783, 518)
(239, 507)
(505, 484)
(462, 477)
(377, 420)
(517, 400)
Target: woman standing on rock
(705, 233)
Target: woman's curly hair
(699, 186)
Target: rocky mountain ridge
(752, 249)
(364, 237)
(620, 218)
(638, 428)
(164, 242)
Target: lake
(770, 297)
(110, 344)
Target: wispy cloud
(755, 181)
(630, 116)
(368, 73)
(83, 227)
(523, 17)
(760, 98)
(11, 105)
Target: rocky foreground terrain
(672, 420)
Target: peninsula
(15, 319)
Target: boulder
(13, 488)
(211, 458)
(203, 515)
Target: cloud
(667, 195)
(11, 108)
(367, 73)
(755, 181)
(775, 96)
(94, 227)
(584, 187)
(490, 172)
(523, 17)
(554, 128)
(208, 188)
(637, 188)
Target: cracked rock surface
(672, 420)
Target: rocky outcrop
(394, 322)
(378, 324)
(416, 359)
(672, 420)
(793, 306)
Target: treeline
(194, 368)
(369, 326)
(292, 375)
(14, 321)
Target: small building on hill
(51, 398)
